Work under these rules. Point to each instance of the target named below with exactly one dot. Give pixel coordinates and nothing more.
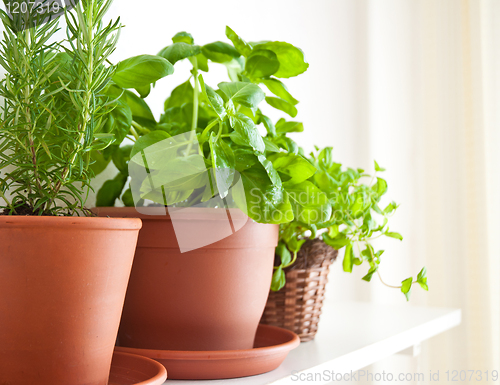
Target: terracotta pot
(62, 287)
(209, 298)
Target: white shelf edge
(363, 357)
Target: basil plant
(224, 122)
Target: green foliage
(341, 209)
(226, 120)
(53, 115)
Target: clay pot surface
(130, 369)
(62, 286)
(205, 299)
(272, 345)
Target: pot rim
(188, 213)
(90, 223)
(185, 355)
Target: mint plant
(355, 221)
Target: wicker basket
(297, 307)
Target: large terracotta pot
(209, 298)
(62, 286)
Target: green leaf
(141, 112)
(183, 37)
(261, 63)
(100, 162)
(121, 158)
(295, 166)
(223, 160)
(271, 171)
(128, 199)
(111, 191)
(394, 235)
(244, 158)
(220, 52)
(262, 200)
(247, 94)
(182, 94)
(338, 242)
(247, 132)
(422, 279)
(280, 90)
(139, 71)
(368, 277)
(119, 120)
(179, 51)
(214, 99)
(279, 279)
(380, 187)
(282, 126)
(268, 123)
(148, 140)
(144, 91)
(292, 62)
(282, 105)
(348, 259)
(378, 168)
(406, 287)
(310, 205)
(284, 254)
(241, 45)
(202, 62)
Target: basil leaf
(180, 95)
(282, 126)
(292, 62)
(295, 166)
(262, 63)
(111, 191)
(247, 132)
(213, 98)
(262, 200)
(121, 157)
(220, 52)
(280, 90)
(142, 70)
(247, 94)
(148, 140)
(179, 51)
(183, 37)
(282, 105)
(241, 45)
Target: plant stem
(196, 103)
(207, 129)
(134, 132)
(82, 127)
(391, 286)
(2, 195)
(139, 128)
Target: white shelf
(352, 336)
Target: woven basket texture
(297, 307)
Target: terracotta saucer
(272, 345)
(131, 369)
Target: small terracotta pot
(62, 286)
(209, 298)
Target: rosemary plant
(53, 113)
